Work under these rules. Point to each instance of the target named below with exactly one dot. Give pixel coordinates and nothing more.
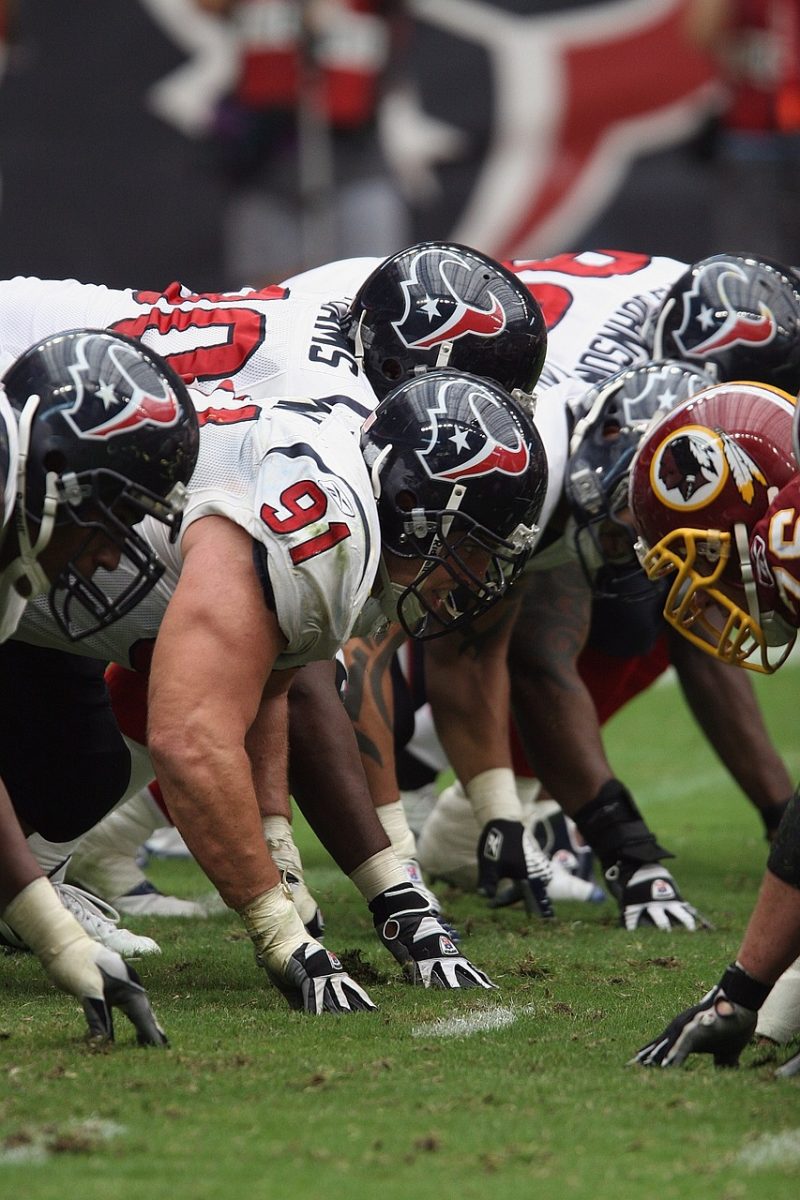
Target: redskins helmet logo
(692, 465)
(476, 451)
(127, 404)
(428, 320)
(710, 327)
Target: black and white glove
(121, 988)
(315, 981)
(650, 896)
(507, 850)
(421, 944)
(718, 1025)
(80, 966)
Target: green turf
(253, 1101)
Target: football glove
(650, 896)
(420, 943)
(315, 981)
(507, 850)
(718, 1025)
(120, 988)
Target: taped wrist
(616, 830)
(784, 853)
(39, 918)
(741, 988)
(771, 815)
(400, 901)
(275, 927)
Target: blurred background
(233, 142)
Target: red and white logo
(709, 327)
(474, 451)
(118, 402)
(435, 311)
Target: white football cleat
(98, 919)
(146, 900)
(167, 843)
(418, 805)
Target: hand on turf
(315, 981)
(714, 1026)
(650, 896)
(418, 940)
(507, 850)
(102, 981)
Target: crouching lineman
(715, 497)
(299, 527)
(95, 433)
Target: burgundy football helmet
(701, 479)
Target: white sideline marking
(478, 1022)
(38, 1148)
(772, 1150)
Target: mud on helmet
(107, 435)
(701, 480)
(440, 304)
(602, 446)
(458, 470)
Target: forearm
(18, 867)
(212, 800)
(725, 707)
(369, 705)
(772, 939)
(326, 773)
(466, 677)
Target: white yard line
(485, 1021)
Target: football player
(715, 498)
(604, 310)
(298, 526)
(97, 433)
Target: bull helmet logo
(435, 312)
(476, 450)
(713, 322)
(126, 402)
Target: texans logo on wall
(524, 116)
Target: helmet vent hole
(54, 461)
(391, 369)
(406, 500)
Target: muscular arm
(327, 777)
(726, 709)
(554, 712)
(466, 678)
(772, 939)
(213, 657)
(370, 706)
(18, 867)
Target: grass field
(519, 1092)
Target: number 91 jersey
(292, 475)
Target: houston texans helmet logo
(435, 311)
(130, 389)
(474, 450)
(714, 321)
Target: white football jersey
(292, 475)
(597, 306)
(267, 342)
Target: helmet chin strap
(26, 565)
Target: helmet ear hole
(392, 370)
(54, 460)
(406, 500)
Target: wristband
(275, 927)
(39, 918)
(741, 988)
